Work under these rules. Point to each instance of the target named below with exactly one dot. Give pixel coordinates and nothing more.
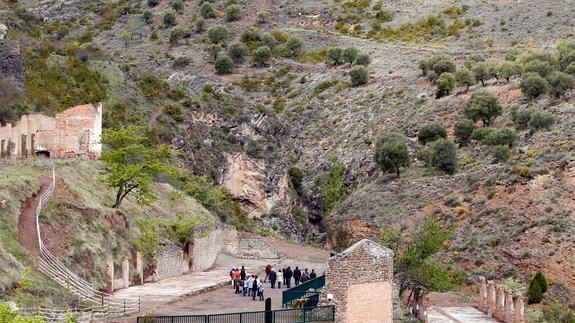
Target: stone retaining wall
(254, 247)
(206, 248)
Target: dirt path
(27, 234)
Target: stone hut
(74, 132)
(359, 282)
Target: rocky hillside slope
(293, 141)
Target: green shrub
(263, 16)
(541, 280)
(539, 121)
(218, 34)
(521, 118)
(500, 153)
(169, 19)
(175, 112)
(224, 65)
(560, 83)
(391, 152)
(533, 86)
(233, 12)
(481, 133)
(358, 75)
(213, 51)
(423, 66)
(430, 133)
(482, 106)
(200, 25)
(237, 52)
(181, 61)
(153, 3)
(147, 17)
(207, 11)
(542, 68)
(473, 60)
(570, 69)
(262, 56)
(443, 155)
(566, 53)
(362, 59)
(502, 136)
(334, 56)
(349, 55)
(177, 6)
(295, 46)
(558, 313)
(465, 77)
(334, 188)
(269, 40)
(175, 35)
(445, 84)
(541, 56)
(296, 178)
(512, 54)
(444, 65)
(464, 130)
(535, 294)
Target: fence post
(102, 301)
(268, 315)
(124, 307)
(139, 303)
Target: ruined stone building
(74, 132)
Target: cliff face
(11, 66)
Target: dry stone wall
(253, 247)
(169, 261)
(206, 247)
(359, 281)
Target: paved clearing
(208, 292)
(457, 314)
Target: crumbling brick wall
(75, 132)
(360, 282)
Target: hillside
(290, 136)
(78, 225)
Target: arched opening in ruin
(43, 153)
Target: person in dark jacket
(243, 273)
(273, 278)
(312, 275)
(255, 287)
(288, 274)
(296, 275)
(304, 276)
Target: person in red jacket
(268, 270)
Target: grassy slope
(86, 230)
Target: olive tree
(560, 83)
(431, 132)
(391, 152)
(533, 85)
(482, 106)
(465, 77)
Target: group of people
(252, 285)
(285, 275)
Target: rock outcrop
(251, 185)
(3, 31)
(11, 64)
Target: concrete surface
(437, 314)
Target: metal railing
(102, 305)
(307, 289)
(293, 315)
